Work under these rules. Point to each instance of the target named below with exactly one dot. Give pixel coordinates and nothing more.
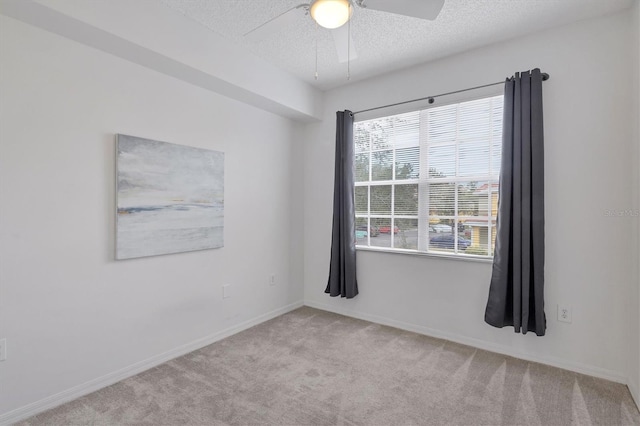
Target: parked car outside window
(373, 230)
(441, 228)
(448, 242)
(361, 234)
(387, 229)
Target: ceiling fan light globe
(330, 13)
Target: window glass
(428, 180)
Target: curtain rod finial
(545, 76)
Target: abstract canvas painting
(170, 198)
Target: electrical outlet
(226, 291)
(564, 313)
(3, 349)
(272, 279)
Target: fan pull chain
(349, 49)
(316, 76)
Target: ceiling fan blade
(423, 9)
(344, 44)
(276, 24)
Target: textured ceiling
(384, 42)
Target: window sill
(443, 256)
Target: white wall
(72, 316)
(634, 309)
(296, 224)
(588, 158)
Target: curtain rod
(431, 99)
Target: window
(427, 181)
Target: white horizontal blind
(428, 180)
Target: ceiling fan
(333, 14)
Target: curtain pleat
(516, 293)
(342, 271)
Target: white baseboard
(476, 343)
(124, 373)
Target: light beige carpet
(310, 367)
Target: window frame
(423, 217)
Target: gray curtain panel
(342, 271)
(516, 294)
